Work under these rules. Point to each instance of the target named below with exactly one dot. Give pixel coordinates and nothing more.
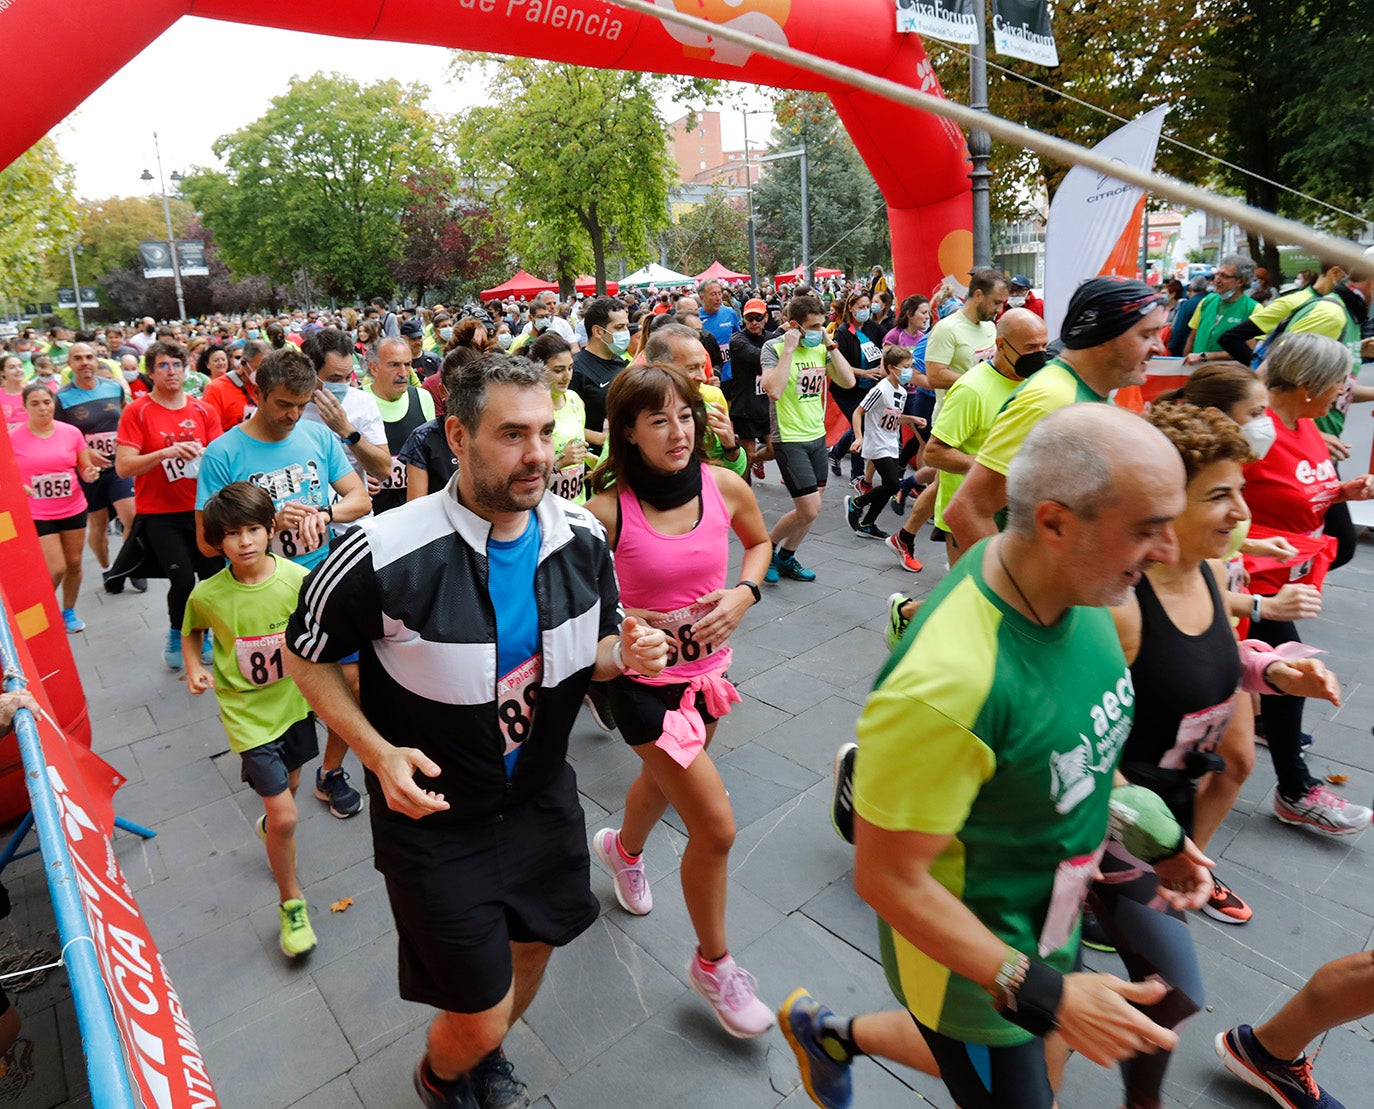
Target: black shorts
(639, 709)
(750, 427)
(981, 1077)
(268, 768)
(804, 466)
(106, 490)
(460, 895)
(67, 523)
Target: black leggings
(889, 474)
(172, 536)
(1152, 942)
(1282, 717)
(981, 1077)
(1339, 525)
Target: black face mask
(1031, 362)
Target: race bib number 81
(260, 658)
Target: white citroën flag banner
(950, 20)
(1089, 212)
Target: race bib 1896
(102, 442)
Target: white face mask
(1016, 302)
(1260, 434)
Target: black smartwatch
(351, 439)
(753, 588)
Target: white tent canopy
(654, 274)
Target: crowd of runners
(441, 534)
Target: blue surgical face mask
(504, 340)
(813, 338)
(620, 341)
(863, 315)
(445, 333)
(253, 333)
(338, 388)
(541, 324)
(904, 375)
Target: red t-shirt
(1292, 486)
(233, 403)
(147, 426)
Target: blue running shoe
(72, 622)
(794, 569)
(822, 1058)
(1289, 1084)
(771, 574)
(171, 650)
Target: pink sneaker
(631, 887)
(731, 991)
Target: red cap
(755, 305)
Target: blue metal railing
(105, 1068)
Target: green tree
(578, 159)
(849, 228)
(1289, 88)
(1125, 58)
(715, 230)
(39, 217)
(318, 181)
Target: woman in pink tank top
(668, 517)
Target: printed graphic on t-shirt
(295, 482)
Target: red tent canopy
(587, 286)
(716, 272)
(521, 285)
(793, 276)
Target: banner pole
(100, 1042)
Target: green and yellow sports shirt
(1054, 387)
(965, 419)
(800, 411)
(1009, 745)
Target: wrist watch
(753, 588)
(352, 439)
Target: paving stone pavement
(615, 1023)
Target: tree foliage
(578, 159)
(1289, 85)
(849, 228)
(39, 217)
(452, 240)
(715, 230)
(1125, 58)
(318, 181)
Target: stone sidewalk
(615, 1023)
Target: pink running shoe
(731, 991)
(631, 887)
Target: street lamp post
(980, 144)
(76, 287)
(167, 215)
(800, 152)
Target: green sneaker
(261, 826)
(771, 574)
(297, 937)
(795, 570)
(896, 623)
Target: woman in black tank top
(1185, 666)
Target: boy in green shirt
(270, 726)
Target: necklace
(1019, 591)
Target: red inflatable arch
(920, 162)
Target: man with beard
(481, 613)
(966, 337)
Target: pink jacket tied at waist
(684, 731)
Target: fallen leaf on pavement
(341, 905)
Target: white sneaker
(1323, 811)
(631, 887)
(731, 992)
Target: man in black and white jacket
(481, 613)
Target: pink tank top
(667, 573)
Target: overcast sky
(230, 73)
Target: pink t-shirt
(48, 467)
(12, 405)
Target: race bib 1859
(51, 487)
